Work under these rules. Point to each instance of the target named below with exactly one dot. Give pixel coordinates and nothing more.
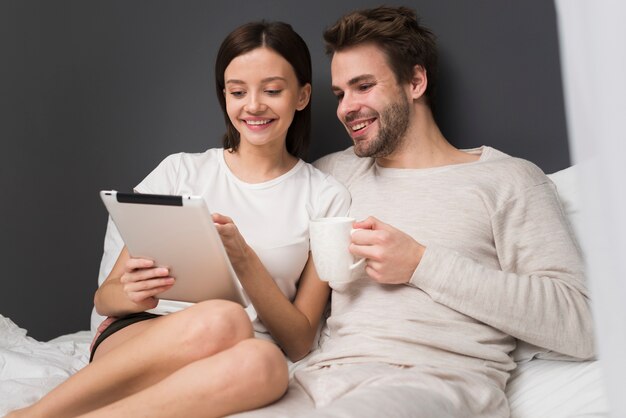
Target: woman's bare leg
(139, 358)
(249, 375)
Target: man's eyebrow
(360, 78)
(265, 80)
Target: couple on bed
(467, 252)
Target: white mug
(330, 239)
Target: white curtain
(592, 36)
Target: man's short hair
(396, 30)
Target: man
(467, 251)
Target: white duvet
(30, 368)
(537, 389)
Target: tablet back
(176, 232)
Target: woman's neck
(258, 165)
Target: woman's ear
(304, 96)
(419, 82)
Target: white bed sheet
(30, 368)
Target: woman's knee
(212, 326)
(264, 366)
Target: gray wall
(93, 94)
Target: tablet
(176, 232)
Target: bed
(542, 385)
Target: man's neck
(424, 146)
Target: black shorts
(119, 324)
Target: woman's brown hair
(281, 38)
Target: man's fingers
(372, 269)
(362, 237)
(368, 223)
(371, 252)
(370, 237)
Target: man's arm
(537, 295)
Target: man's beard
(393, 124)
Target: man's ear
(419, 82)
(304, 97)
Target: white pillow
(113, 245)
(567, 185)
(557, 389)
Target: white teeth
(359, 126)
(258, 122)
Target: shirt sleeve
(326, 163)
(163, 179)
(538, 295)
(333, 199)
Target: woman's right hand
(142, 281)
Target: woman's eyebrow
(265, 80)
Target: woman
(204, 360)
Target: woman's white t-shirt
(273, 216)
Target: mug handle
(361, 261)
(357, 264)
